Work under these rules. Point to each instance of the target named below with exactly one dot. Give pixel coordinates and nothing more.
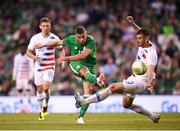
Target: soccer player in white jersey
(135, 83)
(44, 64)
(22, 75)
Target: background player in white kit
(22, 75)
(135, 83)
(44, 65)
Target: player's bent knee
(127, 101)
(46, 90)
(40, 89)
(83, 71)
(112, 87)
(46, 87)
(116, 88)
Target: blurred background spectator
(105, 20)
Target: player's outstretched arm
(80, 56)
(62, 55)
(53, 44)
(150, 71)
(131, 21)
(49, 44)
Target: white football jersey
(46, 54)
(137, 83)
(147, 55)
(23, 67)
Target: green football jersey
(76, 48)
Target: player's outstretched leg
(93, 79)
(98, 96)
(139, 109)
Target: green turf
(93, 122)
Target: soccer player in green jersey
(82, 61)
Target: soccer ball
(139, 67)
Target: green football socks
(83, 108)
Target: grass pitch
(93, 122)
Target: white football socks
(46, 99)
(99, 96)
(139, 109)
(40, 98)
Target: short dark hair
(80, 30)
(144, 32)
(45, 19)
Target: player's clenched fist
(130, 19)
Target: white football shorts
(134, 85)
(22, 84)
(40, 76)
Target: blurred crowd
(106, 21)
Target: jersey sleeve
(152, 58)
(57, 38)
(91, 44)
